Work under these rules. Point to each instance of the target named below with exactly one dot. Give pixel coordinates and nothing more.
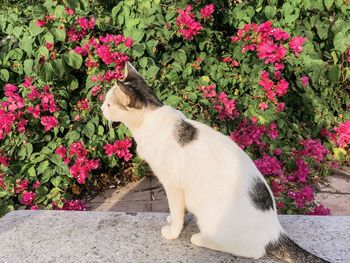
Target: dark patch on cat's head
(135, 87)
(260, 195)
(185, 132)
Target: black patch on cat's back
(185, 132)
(260, 195)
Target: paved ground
(74, 236)
(147, 195)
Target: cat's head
(129, 96)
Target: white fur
(209, 177)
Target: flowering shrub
(274, 77)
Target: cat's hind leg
(202, 241)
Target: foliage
(280, 89)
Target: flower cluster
(268, 165)
(119, 148)
(77, 205)
(269, 44)
(188, 26)
(207, 11)
(81, 29)
(302, 197)
(222, 104)
(313, 149)
(341, 135)
(105, 48)
(76, 158)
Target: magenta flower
(342, 134)
(69, 11)
(61, 151)
(188, 27)
(208, 91)
(5, 161)
(263, 106)
(296, 45)
(27, 198)
(40, 23)
(120, 148)
(304, 81)
(207, 11)
(49, 122)
(320, 211)
(128, 42)
(269, 165)
(313, 149)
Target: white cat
(204, 172)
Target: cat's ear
(127, 96)
(131, 74)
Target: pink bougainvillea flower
(128, 42)
(49, 122)
(208, 91)
(5, 161)
(83, 104)
(35, 111)
(27, 82)
(95, 90)
(226, 107)
(246, 135)
(188, 27)
(302, 197)
(41, 23)
(280, 106)
(304, 81)
(348, 55)
(207, 11)
(313, 149)
(49, 45)
(296, 45)
(77, 205)
(341, 135)
(85, 23)
(263, 106)
(320, 210)
(281, 87)
(120, 148)
(61, 151)
(36, 184)
(269, 165)
(27, 198)
(69, 11)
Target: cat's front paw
(169, 233)
(168, 219)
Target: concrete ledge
(65, 236)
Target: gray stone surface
(67, 236)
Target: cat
(203, 172)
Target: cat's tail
(288, 251)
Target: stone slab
(71, 236)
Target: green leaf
(4, 75)
(180, 56)
(42, 167)
(138, 50)
(89, 130)
(45, 71)
(334, 73)
(34, 29)
(72, 136)
(60, 12)
(270, 12)
(328, 3)
(73, 59)
(28, 67)
(31, 172)
(341, 41)
(48, 173)
(26, 43)
(56, 181)
(72, 83)
(152, 71)
(59, 34)
(58, 68)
